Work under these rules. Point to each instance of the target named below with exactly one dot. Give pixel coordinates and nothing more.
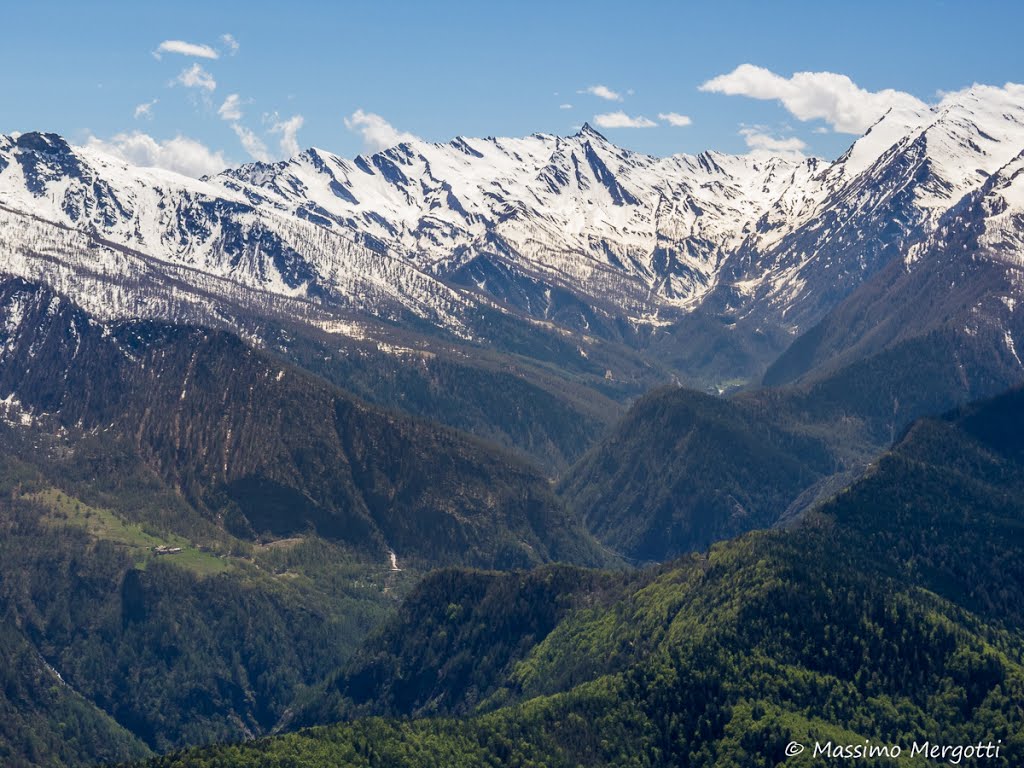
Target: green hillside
(891, 614)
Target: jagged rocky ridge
(568, 236)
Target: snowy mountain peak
(576, 210)
(1002, 204)
(589, 132)
(543, 227)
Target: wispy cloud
(145, 110)
(621, 120)
(377, 132)
(183, 48)
(760, 142)
(602, 92)
(231, 43)
(180, 154)
(251, 143)
(675, 119)
(196, 77)
(289, 130)
(231, 109)
(827, 96)
(565, 106)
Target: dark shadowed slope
(269, 449)
(685, 469)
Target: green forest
(210, 557)
(891, 614)
(116, 651)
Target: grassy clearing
(141, 541)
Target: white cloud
(289, 130)
(675, 119)
(197, 77)
(828, 96)
(621, 120)
(180, 154)
(252, 143)
(565, 106)
(1010, 90)
(145, 110)
(602, 92)
(186, 49)
(231, 109)
(229, 40)
(760, 142)
(377, 132)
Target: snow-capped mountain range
(569, 234)
(887, 192)
(575, 211)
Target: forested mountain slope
(264, 448)
(195, 532)
(888, 615)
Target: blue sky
(350, 76)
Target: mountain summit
(561, 235)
